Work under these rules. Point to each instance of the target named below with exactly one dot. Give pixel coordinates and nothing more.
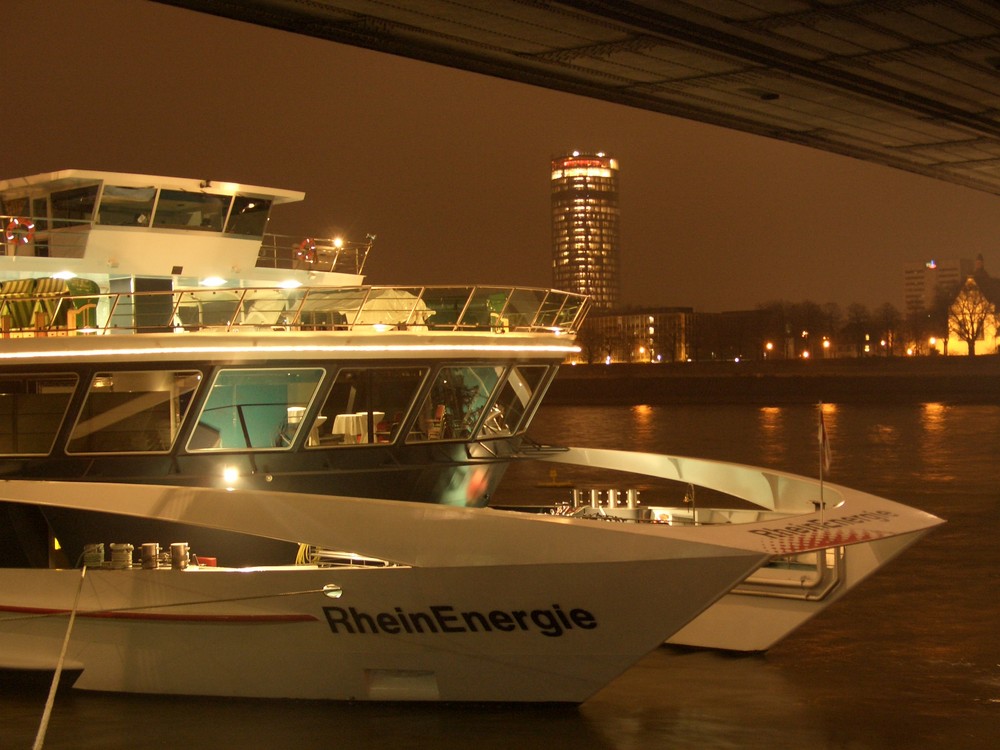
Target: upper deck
(110, 224)
(87, 252)
(35, 308)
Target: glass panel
(366, 402)
(447, 305)
(551, 312)
(255, 409)
(178, 209)
(522, 307)
(455, 404)
(32, 409)
(133, 412)
(486, 309)
(40, 213)
(126, 206)
(249, 216)
(74, 206)
(328, 309)
(506, 413)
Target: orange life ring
(306, 250)
(20, 231)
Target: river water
(909, 659)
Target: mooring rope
(166, 605)
(47, 713)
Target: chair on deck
(16, 303)
(82, 310)
(50, 305)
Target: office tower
(585, 226)
(922, 281)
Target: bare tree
(888, 320)
(857, 329)
(969, 315)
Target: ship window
(133, 411)
(178, 209)
(507, 414)
(248, 217)
(366, 402)
(255, 409)
(32, 408)
(40, 213)
(74, 206)
(14, 207)
(126, 206)
(456, 402)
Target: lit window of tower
(585, 226)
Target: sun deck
(50, 306)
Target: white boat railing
(50, 307)
(330, 255)
(44, 237)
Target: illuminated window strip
(159, 352)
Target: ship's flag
(824, 442)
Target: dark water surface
(910, 659)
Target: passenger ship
(155, 334)
(315, 454)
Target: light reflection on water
(910, 659)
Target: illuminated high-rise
(585, 226)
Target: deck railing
(66, 238)
(40, 307)
(314, 254)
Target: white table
(354, 427)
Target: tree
(857, 330)
(970, 314)
(888, 320)
(918, 330)
(938, 313)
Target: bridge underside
(912, 84)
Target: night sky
(450, 169)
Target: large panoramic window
(509, 413)
(255, 409)
(455, 403)
(74, 206)
(366, 405)
(180, 209)
(126, 206)
(248, 216)
(32, 409)
(133, 411)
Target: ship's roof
(69, 178)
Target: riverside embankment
(888, 380)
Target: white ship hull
(133, 632)
(860, 533)
(502, 607)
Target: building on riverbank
(585, 221)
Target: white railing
(36, 307)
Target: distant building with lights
(973, 315)
(922, 282)
(585, 234)
(672, 334)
